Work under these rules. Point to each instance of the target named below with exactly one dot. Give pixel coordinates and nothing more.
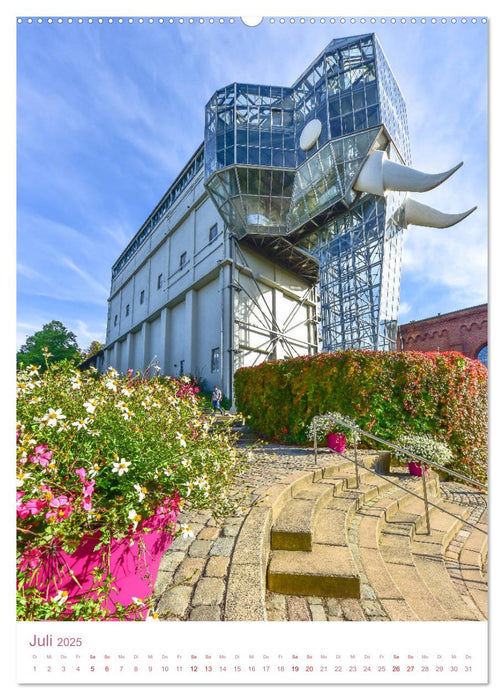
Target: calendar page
(252, 348)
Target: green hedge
(386, 393)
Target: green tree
(59, 341)
(95, 347)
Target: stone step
(395, 547)
(325, 571)
(374, 517)
(466, 567)
(428, 555)
(295, 525)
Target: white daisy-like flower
(120, 467)
(112, 372)
(21, 477)
(141, 491)
(152, 616)
(181, 439)
(53, 417)
(91, 405)
(81, 423)
(95, 468)
(76, 384)
(189, 488)
(126, 391)
(35, 399)
(60, 597)
(137, 601)
(185, 531)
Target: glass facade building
(266, 185)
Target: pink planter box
(336, 442)
(134, 563)
(415, 468)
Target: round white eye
(310, 134)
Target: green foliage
(385, 393)
(100, 456)
(55, 339)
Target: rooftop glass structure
(281, 195)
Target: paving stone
(175, 601)
(217, 566)
(297, 609)
(209, 591)
(367, 592)
(191, 567)
(200, 548)
(276, 601)
(171, 560)
(181, 544)
(164, 579)
(209, 533)
(223, 547)
(352, 610)
(277, 616)
(372, 608)
(231, 530)
(206, 613)
(334, 608)
(318, 613)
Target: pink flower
(42, 455)
(32, 507)
(86, 503)
(88, 488)
(81, 473)
(30, 559)
(60, 501)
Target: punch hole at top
(252, 21)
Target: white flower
(152, 617)
(186, 531)
(181, 439)
(60, 597)
(137, 601)
(126, 391)
(120, 467)
(141, 490)
(21, 477)
(35, 399)
(147, 403)
(111, 384)
(112, 372)
(52, 417)
(91, 405)
(82, 423)
(185, 462)
(126, 414)
(76, 384)
(189, 488)
(94, 470)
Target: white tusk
(379, 174)
(418, 214)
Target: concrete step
(374, 517)
(467, 568)
(325, 571)
(414, 582)
(428, 555)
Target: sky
(109, 113)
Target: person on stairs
(216, 399)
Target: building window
(142, 296)
(115, 320)
(183, 259)
(127, 309)
(483, 355)
(215, 360)
(214, 232)
(160, 281)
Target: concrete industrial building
(282, 236)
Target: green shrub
(385, 393)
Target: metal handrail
(396, 448)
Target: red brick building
(464, 331)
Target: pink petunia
(42, 455)
(81, 473)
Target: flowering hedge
(386, 393)
(101, 456)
